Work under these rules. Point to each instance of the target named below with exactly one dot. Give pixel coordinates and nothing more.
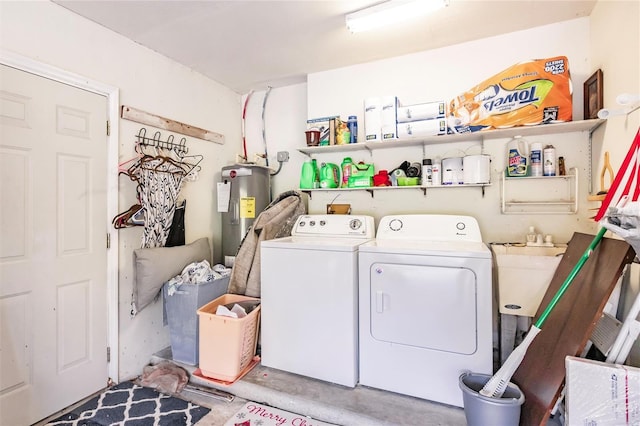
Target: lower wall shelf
(561, 194)
(372, 189)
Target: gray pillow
(155, 266)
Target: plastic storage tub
(182, 316)
(227, 345)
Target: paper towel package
(528, 93)
(421, 128)
(601, 394)
(424, 111)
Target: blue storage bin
(182, 315)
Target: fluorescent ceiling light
(391, 12)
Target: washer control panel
(334, 226)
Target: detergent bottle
(346, 171)
(517, 157)
(316, 174)
(307, 175)
(329, 176)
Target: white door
(53, 298)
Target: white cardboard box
(424, 111)
(412, 129)
(601, 394)
(389, 115)
(373, 119)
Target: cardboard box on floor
(601, 394)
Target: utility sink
(524, 274)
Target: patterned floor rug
(254, 414)
(127, 404)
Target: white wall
(440, 75)
(49, 33)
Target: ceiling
(249, 45)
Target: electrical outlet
(283, 156)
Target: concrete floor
(360, 406)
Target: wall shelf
(565, 203)
(372, 189)
(542, 129)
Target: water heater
(247, 187)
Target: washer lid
(429, 248)
(345, 244)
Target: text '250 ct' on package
(528, 93)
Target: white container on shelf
(476, 169)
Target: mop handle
(570, 278)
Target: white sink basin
(524, 274)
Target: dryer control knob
(312, 223)
(460, 226)
(395, 225)
(355, 224)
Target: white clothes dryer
(425, 306)
(309, 297)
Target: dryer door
(432, 307)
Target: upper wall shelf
(542, 129)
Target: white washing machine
(309, 297)
(425, 306)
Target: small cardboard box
(601, 394)
(412, 129)
(424, 111)
(389, 118)
(373, 119)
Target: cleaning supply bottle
(536, 159)
(346, 171)
(426, 172)
(549, 154)
(436, 172)
(329, 176)
(316, 174)
(517, 157)
(307, 176)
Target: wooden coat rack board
(139, 116)
(570, 325)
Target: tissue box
(601, 394)
(422, 128)
(424, 111)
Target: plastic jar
(352, 123)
